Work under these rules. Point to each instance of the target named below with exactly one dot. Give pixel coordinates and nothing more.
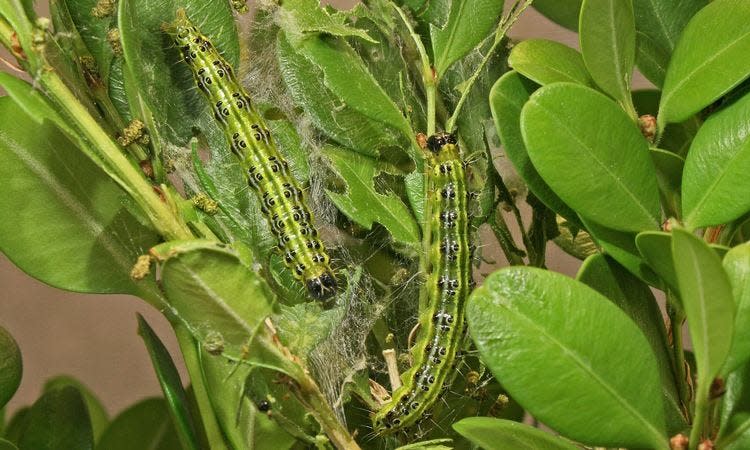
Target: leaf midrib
(593, 156)
(573, 356)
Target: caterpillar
(282, 200)
(449, 283)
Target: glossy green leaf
(469, 23)
(348, 79)
(634, 298)
(546, 62)
(327, 111)
(563, 12)
(734, 433)
(709, 60)
(57, 420)
(363, 204)
(11, 366)
(531, 324)
(716, 186)
(308, 16)
(65, 223)
(706, 296)
(155, 65)
(658, 26)
(147, 424)
(507, 97)
(171, 385)
(216, 294)
(586, 147)
(656, 248)
(737, 266)
(97, 413)
(497, 434)
(607, 35)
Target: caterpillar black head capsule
(322, 287)
(439, 140)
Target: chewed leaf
(308, 16)
(364, 204)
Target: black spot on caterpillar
(282, 199)
(448, 284)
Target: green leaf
(16, 426)
(635, 299)
(658, 26)
(656, 248)
(57, 420)
(531, 324)
(220, 299)
(676, 137)
(715, 186)
(607, 35)
(69, 228)
(171, 385)
(582, 165)
(737, 266)
(706, 296)
(7, 445)
(243, 425)
(348, 79)
(97, 412)
(709, 60)
(11, 367)
(496, 434)
(363, 204)
(154, 63)
(669, 168)
(546, 62)
(147, 424)
(327, 111)
(469, 23)
(621, 247)
(92, 30)
(507, 97)
(563, 12)
(307, 16)
(734, 433)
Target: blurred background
(93, 337)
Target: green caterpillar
(281, 197)
(449, 283)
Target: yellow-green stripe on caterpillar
(282, 199)
(449, 282)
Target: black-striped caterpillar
(449, 283)
(282, 199)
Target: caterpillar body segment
(449, 283)
(281, 197)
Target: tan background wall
(93, 337)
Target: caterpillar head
(437, 141)
(322, 287)
(182, 29)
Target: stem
(676, 318)
(505, 24)
(189, 352)
(428, 74)
(701, 410)
(165, 220)
(505, 239)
